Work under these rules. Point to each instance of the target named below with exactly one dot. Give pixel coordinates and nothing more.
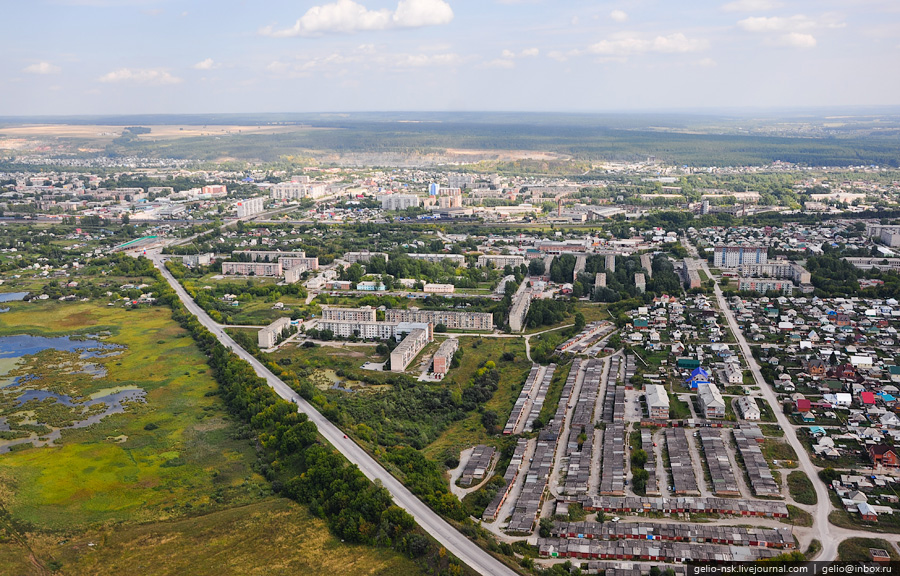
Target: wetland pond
(48, 385)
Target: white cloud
(508, 54)
(141, 76)
(347, 16)
(751, 5)
(707, 62)
(618, 15)
(797, 40)
(626, 44)
(42, 68)
(530, 52)
(526, 53)
(422, 60)
(207, 64)
(792, 31)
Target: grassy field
(469, 431)
(801, 488)
(857, 549)
(161, 487)
(271, 537)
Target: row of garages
(519, 407)
(612, 468)
(684, 482)
(721, 472)
(731, 535)
(686, 505)
(650, 550)
(580, 445)
(540, 397)
(650, 465)
(509, 478)
(761, 481)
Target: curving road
(464, 549)
(822, 528)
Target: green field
(164, 487)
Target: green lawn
(857, 549)
(801, 488)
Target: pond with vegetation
(48, 385)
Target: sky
(66, 57)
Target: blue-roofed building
(698, 376)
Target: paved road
(822, 528)
(449, 537)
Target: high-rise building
(249, 207)
(734, 256)
(399, 201)
(434, 189)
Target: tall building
(364, 256)
(433, 189)
(268, 336)
(406, 352)
(444, 356)
(399, 201)
(734, 256)
(252, 268)
(611, 262)
(364, 314)
(640, 282)
(249, 207)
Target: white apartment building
(735, 256)
(364, 256)
(364, 314)
(252, 269)
(439, 288)
(500, 260)
(452, 320)
(457, 259)
(268, 336)
(249, 207)
(406, 352)
(399, 201)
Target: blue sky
(201, 56)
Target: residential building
(883, 455)
(732, 374)
(640, 282)
(367, 330)
(457, 259)
(364, 256)
(364, 314)
(406, 352)
(748, 408)
(444, 356)
(249, 207)
(500, 260)
(657, 401)
(452, 320)
(268, 336)
(778, 269)
(252, 268)
(371, 286)
(439, 288)
(192, 260)
(519, 311)
(399, 201)
(763, 285)
(735, 256)
(711, 402)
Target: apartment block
(249, 207)
(711, 401)
(364, 314)
(406, 352)
(364, 256)
(735, 256)
(763, 285)
(457, 259)
(657, 401)
(399, 201)
(439, 288)
(268, 336)
(444, 356)
(500, 260)
(452, 320)
(361, 329)
(252, 269)
(777, 269)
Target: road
(822, 528)
(460, 546)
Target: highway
(455, 542)
(822, 529)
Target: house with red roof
(883, 455)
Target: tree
(536, 267)
(489, 420)
(546, 527)
(440, 328)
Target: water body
(23, 345)
(12, 297)
(29, 399)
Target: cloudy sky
(203, 56)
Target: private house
(883, 455)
